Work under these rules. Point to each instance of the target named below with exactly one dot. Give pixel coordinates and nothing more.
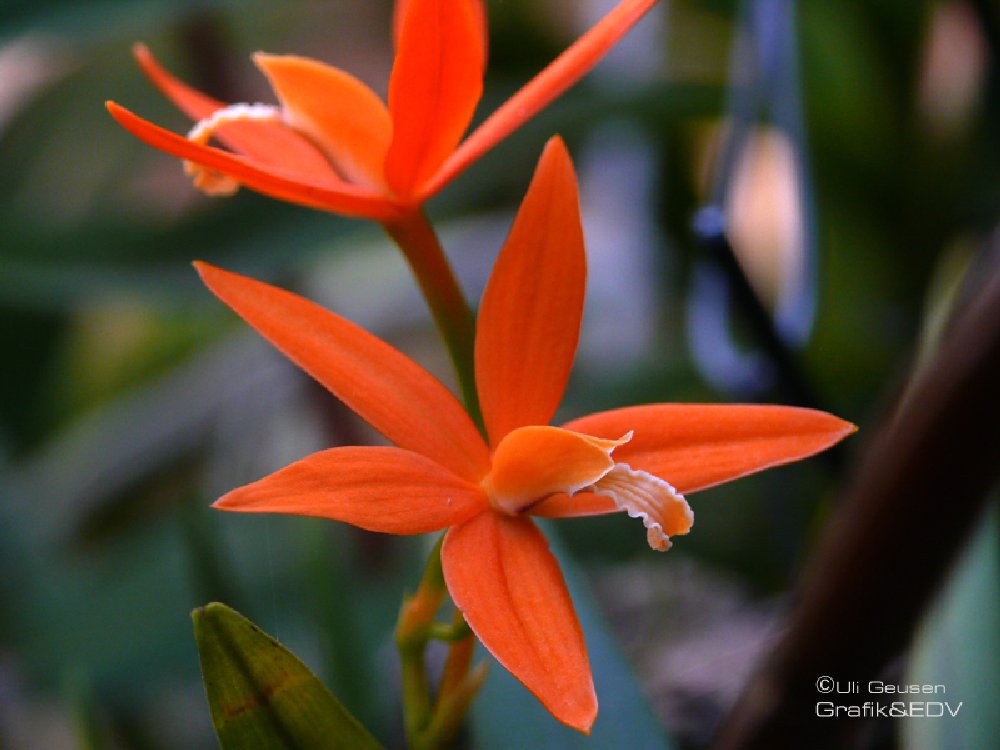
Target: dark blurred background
(853, 150)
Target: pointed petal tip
(581, 718)
(261, 58)
(126, 117)
(578, 716)
(818, 422)
(155, 72)
(556, 145)
(839, 429)
(233, 501)
(208, 273)
(555, 155)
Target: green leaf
(959, 648)
(262, 696)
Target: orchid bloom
(332, 144)
(442, 473)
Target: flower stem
(432, 722)
(434, 274)
(413, 632)
(459, 686)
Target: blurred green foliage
(130, 399)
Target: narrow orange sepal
(383, 489)
(508, 586)
(695, 446)
(385, 387)
(529, 318)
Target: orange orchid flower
(443, 474)
(333, 144)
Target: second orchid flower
(332, 144)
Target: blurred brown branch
(920, 489)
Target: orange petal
(529, 319)
(531, 463)
(436, 82)
(329, 195)
(694, 446)
(384, 489)
(390, 391)
(270, 144)
(558, 76)
(581, 504)
(508, 586)
(192, 102)
(339, 113)
(401, 7)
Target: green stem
(450, 632)
(433, 721)
(413, 632)
(458, 688)
(434, 274)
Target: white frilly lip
(663, 510)
(207, 180)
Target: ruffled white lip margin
(663, 509)
(209, 181)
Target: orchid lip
(662, 509)
(530, 464)
(210, 181)
(204, 129)
(215, 183)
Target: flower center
(208, 180)
(533, 463)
